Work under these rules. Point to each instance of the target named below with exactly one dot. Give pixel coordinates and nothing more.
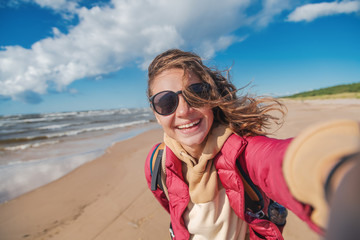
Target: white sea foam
(60, 114)
(97, 113)
(30, 120)
(54, 126)
(18, 147)
(29, 145)
(101, 128)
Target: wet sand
(108, 198)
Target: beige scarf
(201, 175)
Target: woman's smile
(189, 125)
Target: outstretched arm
(294, 172)
(263, 161)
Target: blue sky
(68, 55)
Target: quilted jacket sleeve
(159, 194)
(263, 160)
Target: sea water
(36, 149)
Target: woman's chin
(193, 142)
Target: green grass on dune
(340, 91)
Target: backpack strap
(253, 198)
(157, 177)
(155, 167)
(254, 202)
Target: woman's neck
(195, 151)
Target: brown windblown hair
(245, 115)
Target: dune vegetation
(340, 91)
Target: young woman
(210, 133)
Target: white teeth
(188, 125)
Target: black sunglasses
(166, 102)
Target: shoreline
(107, 198)
(107, 185)
(20, 177)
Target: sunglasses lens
(200, 89)
(165, 103)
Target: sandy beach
(108, 198)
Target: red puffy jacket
(261, 158)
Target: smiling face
(187, 125)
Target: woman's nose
(183, 107)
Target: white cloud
(209, 48)
(270, 9)
(110, 36)
(309, 12)
(56, 5)
(60, 5)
